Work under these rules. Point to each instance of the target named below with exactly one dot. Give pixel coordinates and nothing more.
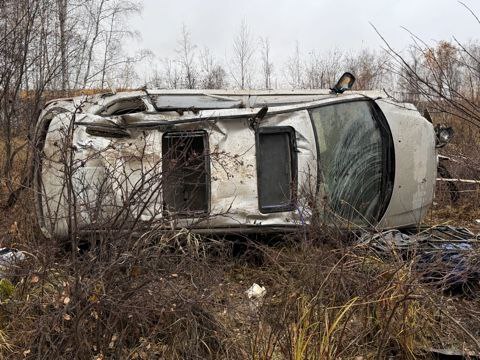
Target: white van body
(253, 161)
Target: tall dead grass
(178, 296)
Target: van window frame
(167, 212)
(267, 209)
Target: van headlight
(443, 135)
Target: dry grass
(327, 298)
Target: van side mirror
(345, 82)
(443, 135)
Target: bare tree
(243, 51)
(213, 74)
(294, 68)
(436, 79)
(370, 68)
(45, 46)
(96, 32)
(154, 77)
(62, 19)
(28, 66)
(267, 65)
(95, 12)
(186, 58)
(470, 57)
(407, 81)
(172, 74)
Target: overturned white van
(231, 161)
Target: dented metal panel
(200, 102)
(415, 165)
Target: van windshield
(355, 159)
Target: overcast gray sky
(316, 24)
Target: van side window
(185, 172)
(276, 168)
(125, 106)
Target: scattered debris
(443, 253)
(256, 293)
(452, 354)
(467, 181)
(9, 257)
